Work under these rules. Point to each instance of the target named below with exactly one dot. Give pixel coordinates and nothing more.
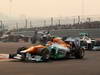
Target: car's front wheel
(45, 54)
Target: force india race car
(54, 51)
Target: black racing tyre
(45, 54)
(67, 55)
(23, 55)
(20, 49)
(79, 54)
(18, 52)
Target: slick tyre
(80, 53)
(23, 55)
(20, 49)
(45, 54)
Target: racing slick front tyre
(45, 54)
(80, 53)
(23, 55)
(18, 52)
(20, 49)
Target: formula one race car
(54, 51)
(93, 46)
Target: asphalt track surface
(90, 65)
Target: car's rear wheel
(79, 54)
